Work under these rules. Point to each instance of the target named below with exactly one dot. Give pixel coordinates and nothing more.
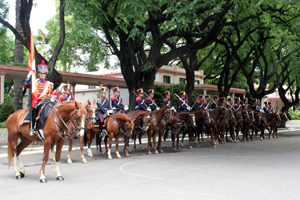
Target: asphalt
(266, 169)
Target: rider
(214, 105)
(140, 105)
(103, 107)
(237, 105)
(67, 96)
(207, 102)
(150, 102)
(229, 103)
(200, 103)
(117, 101)
(245, 104)
(270, 107)
(167, 101)
(255, 107)
(223, 101)
(183, 103)
(44, 89)
(265, 108)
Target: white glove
(29, 74)
(157, 108)
(53, 98)
(188, 108)
(125, 107)
(109, 111)
(149, 109)
(172, 108)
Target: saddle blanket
(43, 112)
(96, 125)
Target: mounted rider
(245, 104)
(214, 105)
(183, 103)
(207, 102)
(200, 103)
(255, 107)
(117, 101)
(237, 105)
(102, 111)
(67, 96)
(223, 101)
(44, 89)
(150, 102)
(167, 101)
(140, 105)
(270, 107)
(229, 103)
(266, 108)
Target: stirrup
(103, 133)
(33, 132)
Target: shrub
(7, 108)
(296, 115)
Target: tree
(24, 10)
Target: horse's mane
(120, 116)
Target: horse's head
(230, 114)
(80, 116)
(251, 115)
(91, 108)
(289, 116)
(257, 116)
(192, 120)
(223, 112)
(206, 117)
(284, 116)
(146, 122)
(176, 125)
(239, 117)
(245, 115)
(277, 117)
(128, 127)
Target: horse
(158, 117)
(273, 120)
(54, 131)
(189, 122)
(232, 121)
(239, 120)
(218, 115)
(115, 124)
(174, 126)
(203, 122)
(246, 125)
(90, 108)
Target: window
(197, 82)
(91, 86)
(182, 81)
(166, 79)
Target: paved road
(253, 170)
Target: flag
(31, 65)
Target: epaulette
(180, 100)
(148, 99)
(214, 103)
(137, 99)
(164, 100)
(113, 99)
(121, 99)
(51, 84)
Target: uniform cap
(151, 91)
(67, 86)
(140, 91)
(222, 98)
(269, 102)
(201, 96)
(103, 89)
(167, 93)
(116, 89)
(229, 98)
(244, 99)
(42, 68)
(207, 96)
(216, 96)
(182, 92)
(237, 98)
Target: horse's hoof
(119, 157)
(174, 148)
(215, 146)
(69, 161)
(60, 178)
(179, 148)
(182, 144)
(84, 160)
(149, 153)
(129, 150)
(90, 155)
(109, 157)
(18, 177)
(22, 175)
(43, 180)
(191, 147)
(127, 155)
(156, 152)
(161, 151)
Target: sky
(41, 12)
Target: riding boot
(102, 130)
(33, 122)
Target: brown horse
(116, 124)
(189, 123)
(273, 120)
(174, 126)
(203, 122)
(90, 108)
(54, 131)
(219, 116)
(232, 121)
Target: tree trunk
(19, 56)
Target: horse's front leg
(109, 146)
(90, 136)
(154, 141)
(160, 134)
(47, 144)
(59, 146)
(52, 153)
(69, 152)
(126, 145)
(140, 141)
(117, 145)
(190, 133)
(149, 141)
(82, 150)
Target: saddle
(43, 112)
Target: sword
(151, 100)
(137, 96)
(181, 99)
(160, 94)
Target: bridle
(91, 118)
(121, 128)
(76, 127)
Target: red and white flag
(32, 66)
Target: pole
(151, 100)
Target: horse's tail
(85, 138)
(9, 153)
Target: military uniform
(199, 104)
(214, 105)
(150, 102)
(103, 106)
(117, 102)
(182, 104)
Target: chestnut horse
(116, 124)
(54, 131)
(189, 123)
(90, 108)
